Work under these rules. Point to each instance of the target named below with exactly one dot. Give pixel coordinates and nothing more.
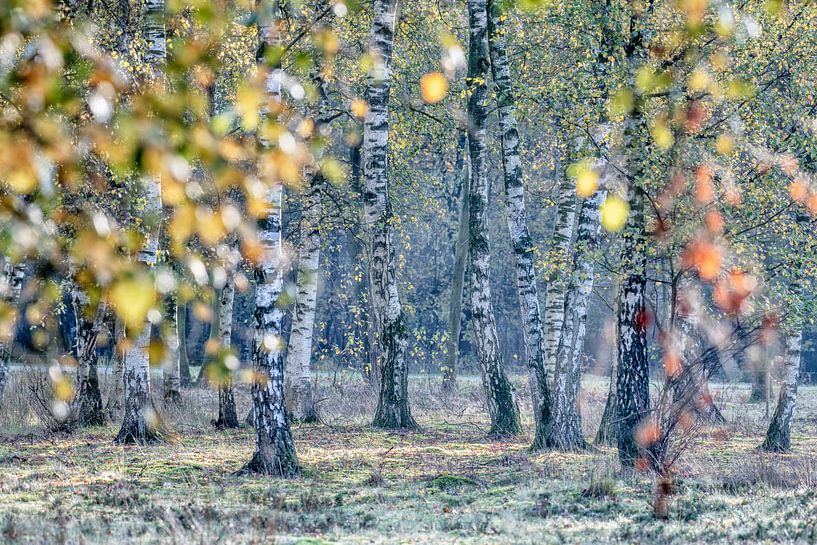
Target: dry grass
(446, 484)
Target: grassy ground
(447, 484)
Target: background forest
(466, 271)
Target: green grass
(445, 484)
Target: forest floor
(445, 484)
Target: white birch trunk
(87, 404)
(556, 288)
(565, 428)
(778, 435)
(10, 291)
(227, 415)
(171, 370)
(523, 248)
(274, 446)
(141, 421)
(393, 411)
(299, 352)
(498, 389)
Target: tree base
(567, 444)
(136, 431)
(227, 422)
(395, 418)
(137, 435)
(173, 398)
(775, 442)
(285, 466)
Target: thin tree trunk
(458, 277)
(274, 445)
(87, 405)
(632, 379)
(362, 327)
(113, 408)
(299, 352)
(171, 367)
(498, 389)
(523, 249)
(565, 429)
(184, 358)
(393, 411)
(778, 436)
(608, 427)
(141, 420)
(556, 290)
(10, 291)
(759, 384)
(227, 415)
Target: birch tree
(140, 420)
(498, 389)
(171, 365)
(227, 415)
(10, 291)
(523, 247)
(458, 277)
(564, 431)
(274, 446)
(299, 352)
(301, 398)
(87, 402)
(393, 411)
(778, 434)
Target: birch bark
(10, 291)
(274, 445)
(565, 427)
(458, 276)
(778, 435)
(141, 420)
(498, 389)
(527, 290)
(299, 352)
(393, 411)
(87, 404)
(227, 415)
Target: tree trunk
(184, 358)
(458, 276)
(565, 429)
(498, 389)
(87, 403)
(171, 368)
(227, 415)
(141, 420)
(632, 379)
(557, 285)
(759, 384)
(299, 353)
(274, 445)
(393, 411)
(778, 436)
(10, 291)
(608, 427)
(360, 325)
(113, 408)
(523, 249)
(299, 376)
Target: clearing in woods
(446, 484)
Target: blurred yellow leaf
(433, 87)
(132, 298)
(614, 213)
(724, 144)
(359, 108)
